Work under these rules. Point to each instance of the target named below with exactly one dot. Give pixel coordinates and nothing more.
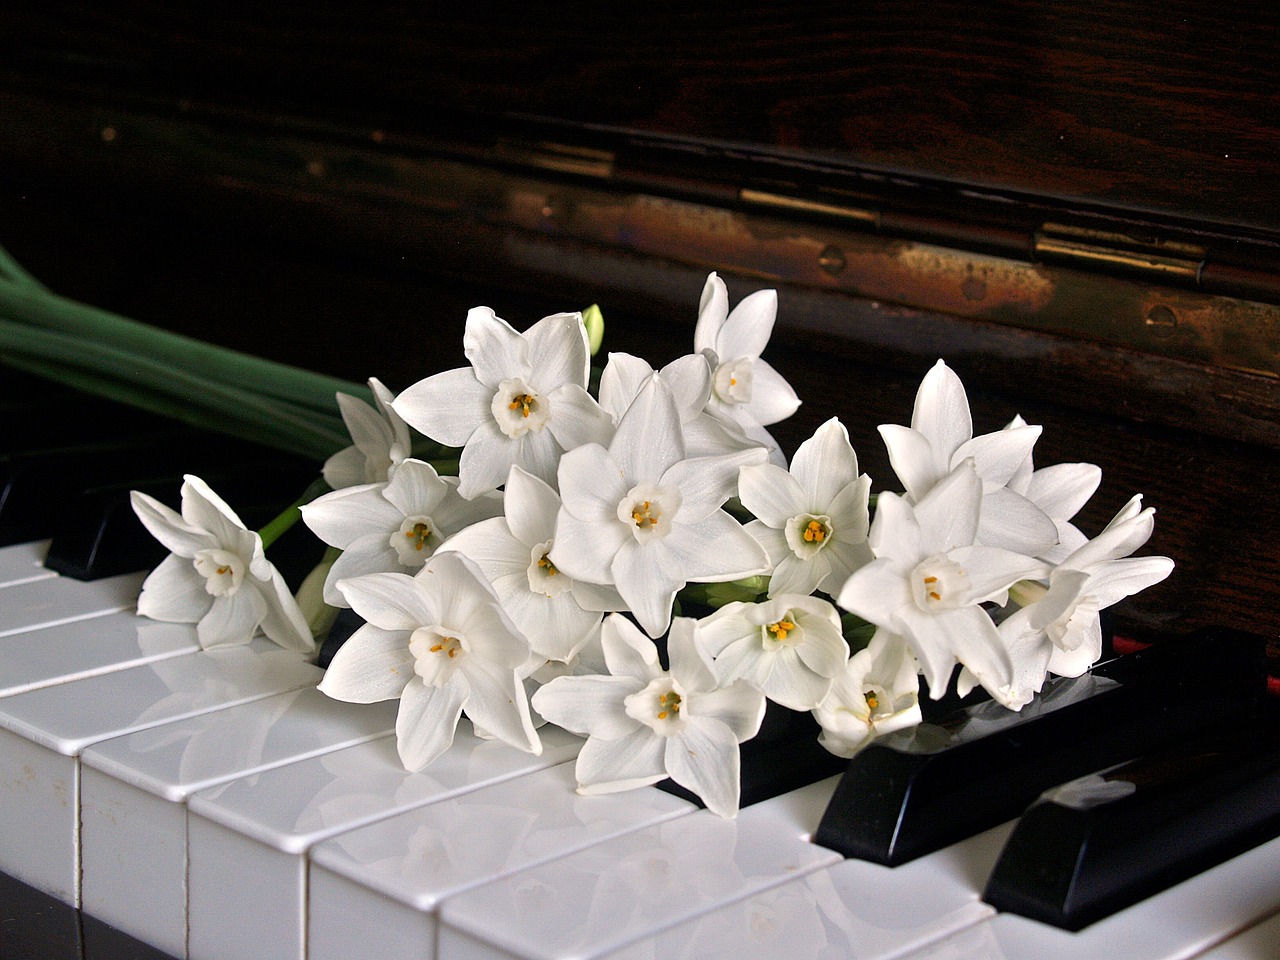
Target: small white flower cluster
(570, 511)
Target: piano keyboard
(209, 804)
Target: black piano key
(922, 790)
(1101, 843)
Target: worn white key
(56, 600)
(248, 840)
(381, 884)
(43, 732)
(133, 793)
(73, 651)
(1179, 922)
(1261, 940)
(854, 909)
(24, 562)
(599, 900)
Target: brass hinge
(783, 202)
(1099, 249)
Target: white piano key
(381, 884)
(248, 840)
(1259, 941)
(57, 600)
(854, 909)
(115, 641)
(43, 732)
(1180, 922)
(133, 793)
(601, 899)
(24, 562)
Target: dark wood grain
(1169, 110)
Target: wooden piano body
(1077, 208)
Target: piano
(1076, 207)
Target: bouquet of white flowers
(533, 585)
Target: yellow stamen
(670, 703)
(548, 566)
(873, 702)
(934, 595)
(643, 517)
(815, 532)
(422, 533)
(930, 579)
(224, 570)
(781, 629)
(523, 401)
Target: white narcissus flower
(743, 387)
(522, 402)
(557, 613)
(392, 527)
(812, 521)
(877, 692)
(644, 724)
(441, 642)
(1060, 632)
(941, 437)
(1060, 491)
(380, 440)
(706, 432)
(216, 576)
(641, 517)
(790, 647)
(929, 579)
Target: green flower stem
(30, 305)
(291, 514)
(13, 271)
(158, 386)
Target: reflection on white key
(248, 840)
(381, 884)
(1180, 922)
(1258, 941)
(43, 732)
(24, 561)
(605, 897)
(56, 600)
(854, 909)
(72, 651)
(133, 792)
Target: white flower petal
(577, 418)
(649, 439)
(203, 508)
(772, 494)
(589, 706)
(942, 411)
(427, 721)
(370, 554)
(611, 766)
(998, 455)
(1015, 523)
(487, 459)
(558, 352)
(498, 704)
(689, 378)
(991, 571)
(713, 310)
(795, 575)
(1072, 663)
(772, 398)
(232, 619)
(648, 585)
(167, 525)
(531, 506)
(948, 514)
(628, 652)
(283, 622)
(415, 488)
(585, 550)
(689, 662)
(876, 592)
(704, 758)
(715, 549)
(794, 685)
(446, 407)
(1062, 489)
(496, 351)
(346, 468)
(825, 464)
(174, 592)
(597, 597)
(1117, 579)
(392, 601)
(373, 665)
(773, 540)
(748, 327)
(592, 484)
(705, 483)
(344, 516)
(1119, 539)
(913, 458)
